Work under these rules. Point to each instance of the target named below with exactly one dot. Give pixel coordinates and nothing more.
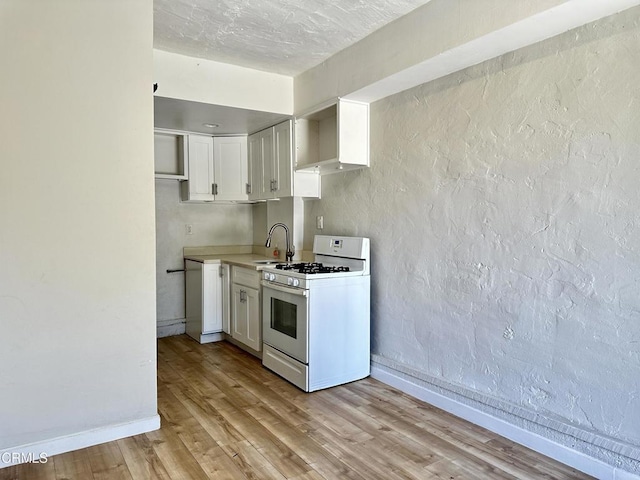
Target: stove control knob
(266, 275)
(289, 281)
(296, 282)
(272, 277)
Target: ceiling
(174, 114)
(279, 36)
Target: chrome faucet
(290, 248)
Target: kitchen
(283, 313)
(495, 248)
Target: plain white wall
(502, 204)
(206, 81)
(77, 241)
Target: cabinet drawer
(247, 277)
(285, 366)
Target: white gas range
(316, 316)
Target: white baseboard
(168, 328)
(561, 453)
(76, 441)
(209, 337)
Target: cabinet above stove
(333, 138)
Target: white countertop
(246, 260)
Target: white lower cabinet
(246, 324)
(225, 276)
(204, 301)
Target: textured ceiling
(281, 36)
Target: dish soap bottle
(276, 252)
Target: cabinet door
(245, 323)
(193, 297)
(211, 298)
(230, 168)
(266, 147)
(353, 133)
(255, 166)
(225, 278)
(200, 168)
(254, 326)
(282, 166)
(239, 315)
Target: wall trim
(168, 328)
(76, 441)
(418, 388)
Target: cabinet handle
(248, 189)
(243, 296)
(214, 188)
(275, 185)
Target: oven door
(285, 319)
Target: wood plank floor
(226, 417)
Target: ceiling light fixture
(211, 125)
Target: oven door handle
(281, 288)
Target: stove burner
(311, 268)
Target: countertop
(246, 260)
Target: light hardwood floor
(226, 417)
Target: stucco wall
(212, 225)
(503, 207)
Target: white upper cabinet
(217, 169)
(265, 157)
(230, 168)
(170, 155)
(254, 185)
(334, 138)
(262, 164)
(199, 187)
(271, 166)
(282, 163)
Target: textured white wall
(289, 211)
(77, 242)
(213, 224)
(502, 205)
(279, 211)
(260, 227)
